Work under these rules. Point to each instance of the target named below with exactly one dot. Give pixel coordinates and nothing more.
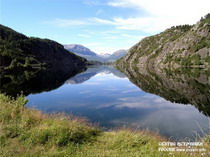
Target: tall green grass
(26, 132)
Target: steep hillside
(175, 47)
(169, 64)
(17, 50)
(35, 80)
(85, 52)
(79, 49)
(117, 55)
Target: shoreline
(26, 132)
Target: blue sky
(104, 26)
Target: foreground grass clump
(27, 132)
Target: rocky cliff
(179, 46)
(173, 64)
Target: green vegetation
(19, 51)
(168, 83)
(205, 42)
(178, 31)
(168, 58)
(12, 46)
(152, 43)
(188, 61)
(186, 71)
(27, 132)
(207, 59)
(191, 60)
(151, 47)
(29, 81)
(180, 46)
(205, 20)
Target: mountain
(169, 64)
(79, 50)
(18, 50)
(84, 52)
(181, 85)
(90, 72)
(28, 81)
(104, 55)
(117, 55)
(92, 56)
(180, 46)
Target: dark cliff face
(18, 50)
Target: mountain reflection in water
(174, 103)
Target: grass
(25, 132)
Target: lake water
(175, 104)
(105, 96)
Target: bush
(207, 59)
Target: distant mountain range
(80, 50)
(117, 55)
(85, 52)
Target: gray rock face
(164, 64)
(180, 46)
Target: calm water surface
(106, 97)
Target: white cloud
(67, 22)
(146, 24)
(167, 8)
(131, 91)
(102, 21)
(161, 14)
(151, 17)
(58, 22)
(149, 24)
(148, 101)
(118, 3)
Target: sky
(104, 26)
